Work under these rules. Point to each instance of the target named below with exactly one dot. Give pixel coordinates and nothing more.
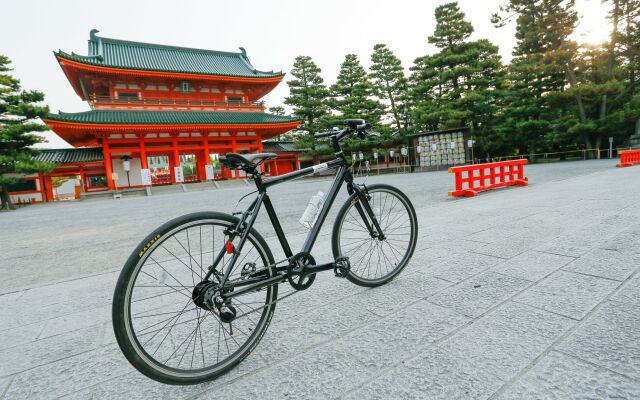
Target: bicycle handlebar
(358, 126)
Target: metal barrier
(629, 158)
(471, 179)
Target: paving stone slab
(30, 355)
(301, 377)
(562, 249)
(567, 293)
(77, 372)
(4, 384)
(558, 376)
(610, 338)
(20, 335)
(478, 294)
(626, 242)
(609, 264)
(415, 285)
(432, 374)
(389, 334)
(135, 386)
(508, 248)
(399, 336)
(532, 265)
(75, 321)
(455, 265)
(506, 340)
(629, 292)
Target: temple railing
(133, 101)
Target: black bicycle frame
(248, 218)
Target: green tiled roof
(154, 57)
(62, 156)
(277, 147)
(131, 117)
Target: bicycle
(230, 280)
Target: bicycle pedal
(341, 267)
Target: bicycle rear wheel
(159, 320)
(375, 262)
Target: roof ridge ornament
(92, 34)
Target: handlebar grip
(363, 127)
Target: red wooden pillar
(43, 193)
(144, 163)
(108, 167)
(174, 159)
(48, 187)
(260, 146)
(205, 160)
(234, 149)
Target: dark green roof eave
(70, 155)
(140, 56)
(130, 117)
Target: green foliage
(451, 27)
(555, 95)
(459, 85)
(389, 82)
(18, 110)
(307, 94)
(277, 110)
(562, 95)
(352, 95)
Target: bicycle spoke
(378, 258)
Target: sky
(272, 32)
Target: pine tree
(352, 94)
(529, 117)
(565, 95)
(389, 82)
(277, 110)
(458, 85)
(18, 111)
(307, 94)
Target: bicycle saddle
(245, 161)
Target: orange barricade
(629, 158)
(471, 179)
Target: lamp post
(126, 166)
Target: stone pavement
(515, 294)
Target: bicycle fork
(365, 211)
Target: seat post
(257, 179)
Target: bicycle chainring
(296, 271)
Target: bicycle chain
(272, 302)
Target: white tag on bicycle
(320, 167)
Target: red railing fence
(471, 179)
(629, 158)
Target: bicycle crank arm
(312, 269)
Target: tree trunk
(571, 77)
(5, 203)
(612, 55)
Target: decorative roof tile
(155, 57)
(65, 156)
(144, 117)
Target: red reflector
(229, 247)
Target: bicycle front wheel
(374, 260)
(159, 319)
